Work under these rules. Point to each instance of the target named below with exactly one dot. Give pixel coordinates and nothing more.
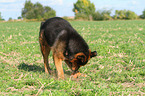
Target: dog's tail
(41, 25)
(41, 30)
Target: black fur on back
(74, 42)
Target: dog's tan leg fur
(58, 49)
(58, 64)
(58, 58)
(45, 52)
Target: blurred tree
(19, 17)
(116, 14)
(125, 14)
(28, 7)
(84, 7)
(131, 15)
(120, 14)
(143, 14)
(1, 19)
(81, 16)
(10, 19)
(48, 12)
(106, 14)
(97, 16)
(102, 15)
(37, 11)
(0, 16)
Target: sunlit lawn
(119, 68)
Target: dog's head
(80, 59)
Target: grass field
(119, 68)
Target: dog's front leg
(58, 64)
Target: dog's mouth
(74, 67)
(74, 72)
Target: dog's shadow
(27, 67)
(36, 68)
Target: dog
(57, 35)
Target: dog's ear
(81, 56)
(93, 54)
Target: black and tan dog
(58, 35)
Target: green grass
(119, 68)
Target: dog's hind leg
(45, 50)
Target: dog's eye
(82, 63)
(70, 62)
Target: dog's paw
(76, 75)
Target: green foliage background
(83, 9)
(86, 10)
(119, 68)
(37, 11)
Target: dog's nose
(73, 68)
